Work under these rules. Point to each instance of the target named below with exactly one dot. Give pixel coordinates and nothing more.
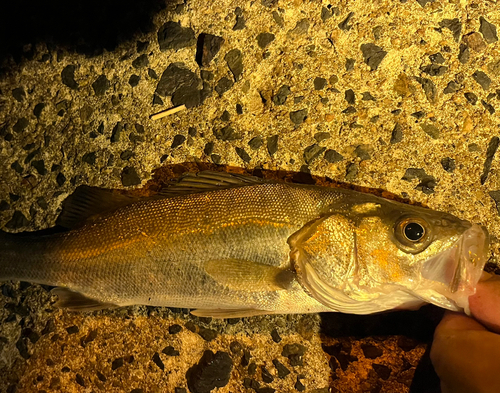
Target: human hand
(465, 354)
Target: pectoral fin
(75, 301)
(236, 313)
(243, 275)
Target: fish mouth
(451, 276)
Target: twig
(168, 112)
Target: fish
(228, 245)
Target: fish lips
(455, 272)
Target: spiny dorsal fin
(75, 301)
(87, 203)
(206, 181)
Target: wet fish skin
(229, 246)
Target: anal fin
(75, 301)
(221, 313)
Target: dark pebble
(209, 148)
(278, 19)
(235, 347)
(226, 133)
(79, 380)
(367, 96)
(174, 329)
(363, 152)
(207, 75)
(178, 140)
(488, 107)
(321, 136)
(371, 351)
(382, 371)
(448, 164)
(242, 154)
(351, 171)
(252, 368)
(101, 85)
(213, 370)
(117, 130)
(207, 334)
(37, 111)
(490, 154)
(130, 177)
(137, 390)
(266, 375)
(281, 369)
(22, 348)
(192, 132)
(429, 88)
(216, 159)
(397, 134)
(60, 179)
(117, 363)
(299, 386)
(320, 83)
(418, 115)
(272, 144)
(344, 25)
(434, 69)
(20, 125)
(463, 53)
(207, 48)
(4, 206)
(326, 14)
(275, 336)
(482, 79)
(349, 110)
(454, 25)
(301, 27)
(91, 336)
(156, 359)
(157, 100)
(234, 60)
(488, 30)
(174, 77)
(172, 36)
(225, 116)
(19, 94)
(332, 156)
(189, 96)
(350, 97)
(223, 85)
(141, 62)
(430, 130)
(452, 87)
(437, 58)
(152, 73)
(264, 39)
(265, 389)
(255, 143)
(17, 221)
(89, 158)
(134, 80)
(349, 64)
(180, 390)
(31, 335)
(68, 77)
(495, 195)
(312, 152)
(239, 109)
(471, 98)
(142, 46)
(39, 165)
(298, 117)
(373, 55)
(293, 349)
(126, 155)
(240, 23)
(72, 329)
(281, 95)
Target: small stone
(350, 97)
(454, 25)
(4, 206)
(373, 55)
(19, 94)
(488, 107)
(175, 76)
(495, 195)
(213, 370)
(474, 41)
(172, 36)
(397, 134)
(281, 369)
(266, 375)
(209, 148)
(37, 111)
(452, 87)
(437, 58)
(278, 19)
(490, 154)
(434, 69)
(130, 177)
(79, 380)
(89, 158)
(117, 130)
(448, 164)
(134, 80)
(207, 48)
(429, 88)
(240, 23)
(332, 156)
(60, 179)
(299, 386)
(72, 329)
(20, 125)
(157, 360)
(234, 60)
(170, 351)
(239, 109)
(382, 371)
(321, 136)
(235, 347)
(223, 85)
(471, 98)
(351, 171)
(349, 110)
(226, 133)
(157, 100)
(264, 39)
(293, 349)
(366, 96)
(178, 140)
(68, 77)
(243, 154)
(255, 143)
(225, 116)
(488, 30)
(101, 85)
(126, 155)
(301, 27)
(326, 14)
(319, 83)
(482, 79)
(371, 351)
(463, 54)
(344, 25)
(363, 152)
(312, 152)
(39, 165)
(298, 117)
(281, 95)
(141, 62)
(275, 336)
(207, 334)
(174, 329)
(430, 130)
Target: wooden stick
(167, 112)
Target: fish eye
(413, 231)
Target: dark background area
(84, 26)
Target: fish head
(377, 254)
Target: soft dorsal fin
(207, 181)
(87, 202)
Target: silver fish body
(228, 245)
